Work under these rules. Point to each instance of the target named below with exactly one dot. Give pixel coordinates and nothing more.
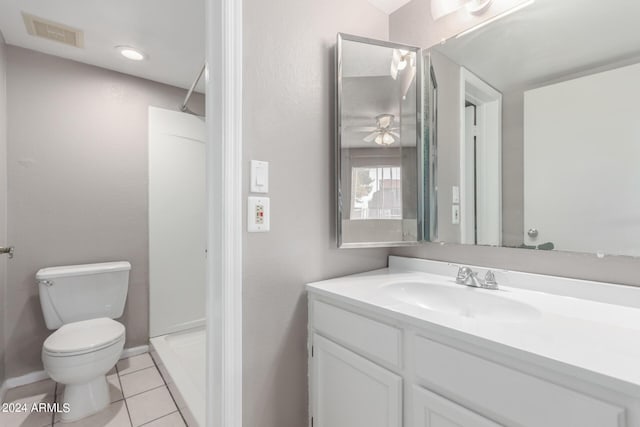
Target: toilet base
(85, 399)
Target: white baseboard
(134, 351)
(34, 377)
(3, 391)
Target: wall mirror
(538, 137)
(378, 143)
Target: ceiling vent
(53, 31)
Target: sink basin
(461, 301)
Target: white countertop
(595, 341)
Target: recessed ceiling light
(131, 53)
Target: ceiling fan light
(387, 139)
(378, 139)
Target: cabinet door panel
(351, 391)
(366, 336)
(522, 399)
(431, 410)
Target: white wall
(177, 221)
(581, 174)
(289, 121)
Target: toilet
(80, 303)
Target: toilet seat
(84, 337)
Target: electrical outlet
(455, 214)
(258, 214)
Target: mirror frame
(338, 142)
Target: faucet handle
(490, 278)
(463, 274)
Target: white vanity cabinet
(354, 364)
(431, 410)
(351, 391)
(370, 369)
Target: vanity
(408, 346)
(519, 132)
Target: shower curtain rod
(183, 107)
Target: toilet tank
(82, 292)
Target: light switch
(455, 194)
(455, 214)
(259, 176)
(258, 214)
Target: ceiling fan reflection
(383, 133)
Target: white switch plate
(258, 214)
(455, 214)
(455, 194)
(259, 176)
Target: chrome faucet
(466, 276)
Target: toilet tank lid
(81, 270)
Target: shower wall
(177, 221)
(78, 179)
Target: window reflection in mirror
(376, 193)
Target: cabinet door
(348, 390)
(431, 410)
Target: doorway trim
(488, 102)
(224, 207)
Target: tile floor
(139, 397)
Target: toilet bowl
(80, 302)
(79, 355)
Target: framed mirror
(378, 143)
(538, 138)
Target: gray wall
(289, 121)
(77, 154)
(3, 198)
(448, 77)
(512, 168)
(412, 24)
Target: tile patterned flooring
(139, 397)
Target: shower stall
(177, 255)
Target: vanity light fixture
(131, 53)
(442, 8)
(403, 62)
(478, 7)
(400, 60)
(495, 18)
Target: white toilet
(81, 301)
